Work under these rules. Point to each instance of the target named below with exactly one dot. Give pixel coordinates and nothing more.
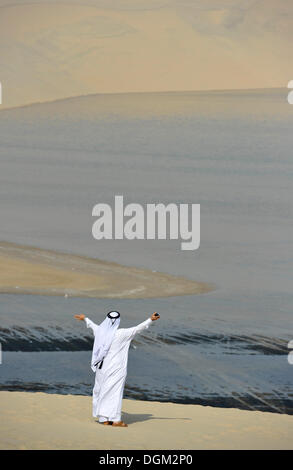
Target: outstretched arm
(142, 326)
(89, 323)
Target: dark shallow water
(197, 357)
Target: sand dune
(28, 270)
(45, 421)
(50, 51)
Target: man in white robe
(109, 361)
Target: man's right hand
(79, 317)
(155, 316)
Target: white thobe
(110, 379)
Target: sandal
(120, 424)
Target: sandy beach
(29, 270)
(45, 421)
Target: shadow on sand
(131, 418)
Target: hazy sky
(51, 49)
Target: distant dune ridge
(50, 51)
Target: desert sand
(56, 50)
(28, 270)
(45, 421)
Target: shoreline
(47, 421)
(30, 270)
(53, 101)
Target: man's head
(113, 316)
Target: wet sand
(45, 421)
(29, 270)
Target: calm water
(229, 151)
